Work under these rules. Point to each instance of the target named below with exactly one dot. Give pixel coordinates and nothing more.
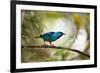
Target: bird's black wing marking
(49, 33)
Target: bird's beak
(64, 34)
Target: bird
(51, 36)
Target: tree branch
(48, 46)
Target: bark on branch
(56, 47)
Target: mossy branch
(56, 47)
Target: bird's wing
(49, 34)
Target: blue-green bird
(51, 36)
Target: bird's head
(62, 33)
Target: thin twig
(48, 46)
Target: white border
(20, 65)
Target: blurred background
(75, 25)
